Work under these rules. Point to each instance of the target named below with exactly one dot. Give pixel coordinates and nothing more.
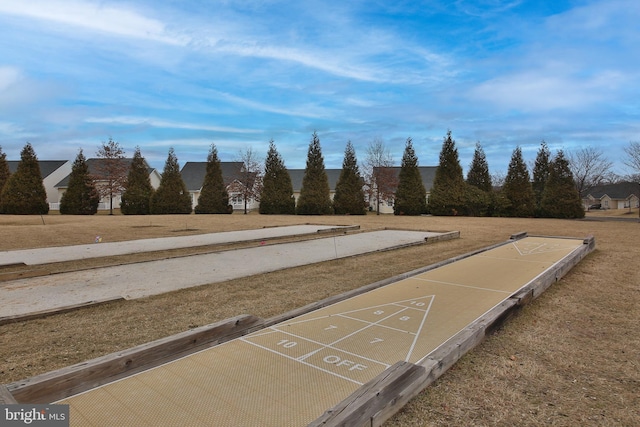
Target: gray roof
(193, 173)
(620, 191)
(94, 169)
(47, 167)
(428, 174)
(298, 174)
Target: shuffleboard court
(24, 296)
(290, 373)
(104, 249)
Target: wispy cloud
(158, 123)
(93, 16)
(540, 91)
(504, 72)
(306, 109)
(8, 77)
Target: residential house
(193, 174)
(623, 195)
(52, 172)
(297, 175)
(95, 170)
(428, 174)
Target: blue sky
(186, 74)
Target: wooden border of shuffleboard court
(379, 399)
(371, 405)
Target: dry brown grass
(570, 358)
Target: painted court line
(464, 286)
(335, 344)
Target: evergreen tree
(517, 188)
(478, 175)
(24, 192)
(476, 201)
(540, 174)
(172, 196)
(411, 196)
(560, 197)
(136, 197)
(4, 171)
(315, 194)
(277, 190)
(214, 198)
(478, 195)
(81, 197)
(349, 196)
(448, 193)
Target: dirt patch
(570, 358)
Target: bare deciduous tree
(380, 178)
(111, 172)
(590, 168)
(633, 159)
(248, 182)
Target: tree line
(552, 190)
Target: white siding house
(52, 172)
(94, 167)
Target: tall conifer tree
(540, 174)
(136, 198)
(172, 196)
(517, 188)
(315, 194)
(24, 192)
(349, 195)
(81, 197)
(478, 174)
(411, 196)
(277, 190)
(214, 198)
(4, 171)
(560, 197)
(479, 191)
(447, 196)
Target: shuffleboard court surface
(22, 297)
(97, 250)
(290, 373)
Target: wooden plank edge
(358, 408)
(49, 312)
(13, 265)
(536, 287)
(443, 237)
(6, 398)
(519, 235)
(55, 385)
(16, 275)
(378, 400)
(338, 229)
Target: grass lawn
(572, 357)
